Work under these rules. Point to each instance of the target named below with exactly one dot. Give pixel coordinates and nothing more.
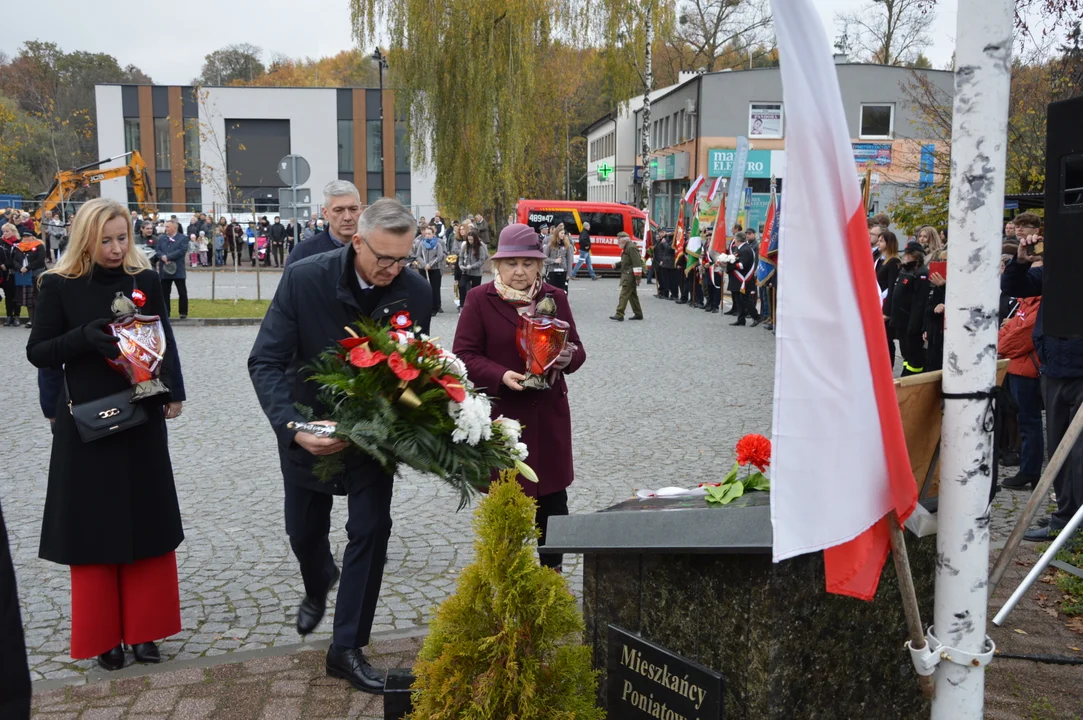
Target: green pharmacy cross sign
(604, 171)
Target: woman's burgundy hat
(519, 240)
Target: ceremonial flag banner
(678, 232)
(690, 196)
(769, 243)
(714, 189)
(718, 237)
(840, 463)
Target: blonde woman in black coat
(111, 509)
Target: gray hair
(386, 214)
(586, 225)
(339, 188)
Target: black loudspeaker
(1062, 283)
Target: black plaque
(645, 680)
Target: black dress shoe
(756, 322)
(147, 653)
(715, 310)
(112, 660)
(352, 666)
(311, 611)
(636, 317)
(618, 318)
(730, 312)
(1020, 481)
(738, 323)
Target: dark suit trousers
(746, 305)
(182, 291)
(549, 506)
(14, 673)
(368, 528)
(1063, 398)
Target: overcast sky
(169, 40)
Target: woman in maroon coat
(485, 342)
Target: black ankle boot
(112, 660)
(147, 652)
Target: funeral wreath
(400, 398)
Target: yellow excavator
(68, 181)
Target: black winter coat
(908, 301)
(111, 501)
(887, 273)
(317, 298)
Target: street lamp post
(381, 64)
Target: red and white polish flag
(694, 188)
(839, 463)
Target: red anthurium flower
(403, 369)
(351, 342)
(139, 298)
(401, 320)
(452, 386)
(364, 357)
(754, 449)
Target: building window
(765, 120)
(345, 145)
(193, 199)
(374, 195)
(164, 198)
(163, 158)
(877, 120)
(403, 196)
(191, 144)
(402, 148)
(131, 135)
(374, 146)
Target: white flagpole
(979, 138)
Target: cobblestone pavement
(276, 687)
(641, 418)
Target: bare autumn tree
(707, 27)
(888, 32)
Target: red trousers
(114, 604)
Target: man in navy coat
(316, 299)
(172, 252)
(342, 208)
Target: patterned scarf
(521, 300)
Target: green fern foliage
(507, 643)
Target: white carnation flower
(472, 424)
(520, 451)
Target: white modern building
(612, 148)
(211, 147)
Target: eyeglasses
(386, 261)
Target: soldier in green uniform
(629, 262)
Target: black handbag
(105, 416)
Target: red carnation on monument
(754, 449)
(404, 370)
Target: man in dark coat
(315, 300)
(733, 284)
(1061, 361)
(172, 250)
(341, 207)
(278, 240)
(14, 672)
(743, 281)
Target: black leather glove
(103, 342)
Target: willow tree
(629, 31)
(470, 81)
